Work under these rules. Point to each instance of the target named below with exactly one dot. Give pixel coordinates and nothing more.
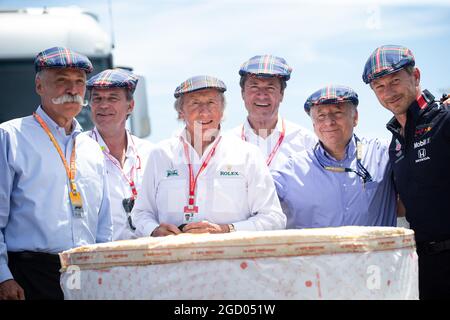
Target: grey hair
(40, 74)
(178, 104)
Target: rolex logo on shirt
(229, 172)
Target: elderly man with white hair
(203, 181)
(53, 190)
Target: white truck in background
(26, 32)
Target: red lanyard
(72, 170)
(277, 146)
(117, 164)
(191, 208)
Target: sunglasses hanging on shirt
(128, 204)
(361, 171)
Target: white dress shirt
(236, 187)
(119, 179)
(35, 209)
(296, 139)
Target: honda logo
(422, 153)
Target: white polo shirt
(235, 187)
(119, 179)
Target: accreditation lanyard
(116, 163)
(191, 208)
(361, 170)
(74, 195)
(277, 145)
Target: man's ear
(355, 119)
(38, 85)
(416, 74)
(181, 115)
(131, 106)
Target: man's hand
(206, 227)
(447, 102)
(401, 210)
(10, 290)
(165, 229)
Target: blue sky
(323, 41)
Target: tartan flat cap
(333, 94)
(199, 83)
(386, 60)
(113, 78)
(60, 57)
(266, 66)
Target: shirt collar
(327, 158)
(55, 128)
(420, 105)
(248, 130)
(183, 135)
(131, 151)
(415, 110)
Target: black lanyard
(361, 171)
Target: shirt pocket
(369, 190)
(230, 197)
(171, 197)
(360, 199)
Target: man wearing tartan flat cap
(201, 181)
(111, 99)
(53, 190)
(420, 156)
(263, 81)
(344, 179)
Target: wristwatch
(231, 227)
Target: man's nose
(389, 92)
(262, 92)
(329, 119)
(103, 103)
(204, 108)
(72, 88)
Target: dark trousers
(434, 275)
(37, 273)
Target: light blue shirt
(35, 209)
(313, 197)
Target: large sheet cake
(323, 263)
